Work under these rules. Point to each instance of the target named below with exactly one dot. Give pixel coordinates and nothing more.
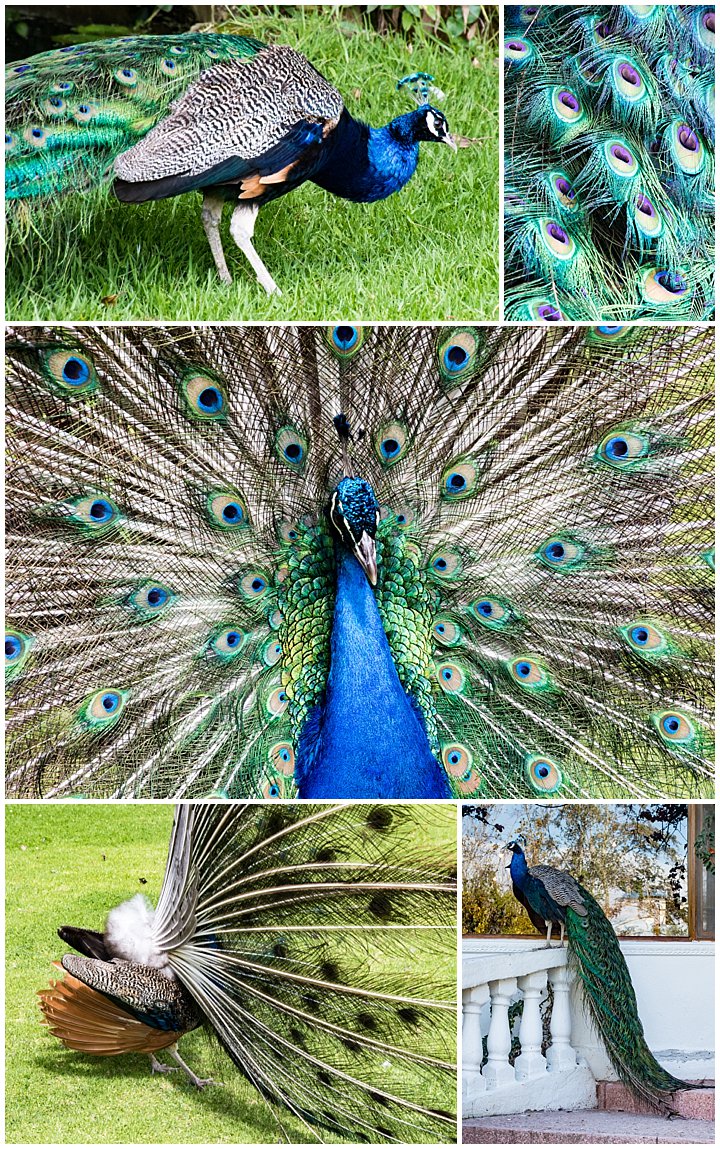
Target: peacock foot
(158, 1066)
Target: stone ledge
(589, 1127)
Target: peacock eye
(492, 612)
(282, 756)
(460, 479)
(674, 727)
(445, 564)
(391, 443)
(344, 340)
(226, 511)
(288, 531)
(620, 159)
(645, 637)
(253, 585)
(205, 397)
(457, 759)
(529, 673)
(150, 600)
(276, 702)
(126, 76)
(271, 652)
(169, 67)
(451, 677)
(17, 649)
(291, 448)
(623, 448)
(518, 50)
(457, 354)
(37, 137)
(103, 708)
(561, 553)
(542, 774)
(97, 513)
(446, 631)
(225, 644)
(69, 371)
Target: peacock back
(70, 112)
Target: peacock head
(426, 122)
(516, 848)
(354, 515)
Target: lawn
(429, 252)
(67, 865)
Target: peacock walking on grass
(553, 897)
(609, 183)
(156, 116)
(316, 942)
(354, 562)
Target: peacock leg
(242, 226)
(200, 1082)
(158, 1067)
(212, 209)
(549, 931)
(562, 932)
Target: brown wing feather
(89, 1022)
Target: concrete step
(697, 1104)
(587, 1127)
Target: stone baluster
(530, 1062)
(561, 1054)
(498, 1070)
(473, 1002)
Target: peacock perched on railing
(156, 116)
(316, 943)
(609, 183)
(347, 562)
(553, 898)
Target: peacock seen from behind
(156, 116)
(315, 942)
(609, 183)
(354, 562)
(554, 898)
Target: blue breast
(367, 739)
(365, 164)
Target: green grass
(429, 252)
(67, 865)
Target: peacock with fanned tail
(554, 899)
(609, 185)
(354, 562)
(239, 121)
(315, 942)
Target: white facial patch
(430, 121)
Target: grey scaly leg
(211, 216)
(200, 1082)
(242, 226)
(562, 932)
(158, 1067)
(549, 928)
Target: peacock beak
(365, 555)
(450, 141)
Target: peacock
(354, 562)
(316, 942)
(239, 121)
(553, 897)
(609, 169)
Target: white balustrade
(554, 1078)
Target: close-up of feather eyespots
(122, 149)
(354, 562)
(302, 956)
(609, 162)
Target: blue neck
(365, 164)
(518, 869)
(367, 739)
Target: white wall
(674, 985)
